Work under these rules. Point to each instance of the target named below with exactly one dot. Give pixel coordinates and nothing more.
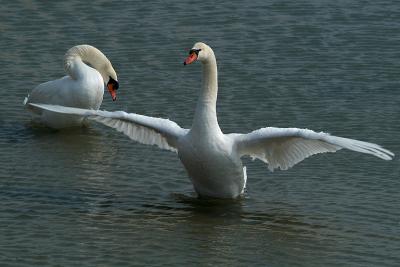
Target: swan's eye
(194, 51)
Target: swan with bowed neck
(212, 158)
(88, 69)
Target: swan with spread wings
(212, 158)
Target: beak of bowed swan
(112, 87)
(193, 55)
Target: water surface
(91, 197)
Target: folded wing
(143, 129)
(284, 147)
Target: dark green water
(91, 197)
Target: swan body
(88, 69)
(212, 158)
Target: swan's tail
(25, 100)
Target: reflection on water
(92, 197)
(207, 228)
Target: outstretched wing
(143, 129)
(284, 147)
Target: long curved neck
(205, 118)
(77, 57)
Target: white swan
(212, 158)
(88, 69)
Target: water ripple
(92, 197)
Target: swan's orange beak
(190, 59)
(112, 87)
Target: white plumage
(88, 70)
(284, 147)
(211, 158)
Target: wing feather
(284, 147)
(143, 129)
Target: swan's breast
(214, 169)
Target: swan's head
(93, 57)
(200, 51)
(110, 77)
